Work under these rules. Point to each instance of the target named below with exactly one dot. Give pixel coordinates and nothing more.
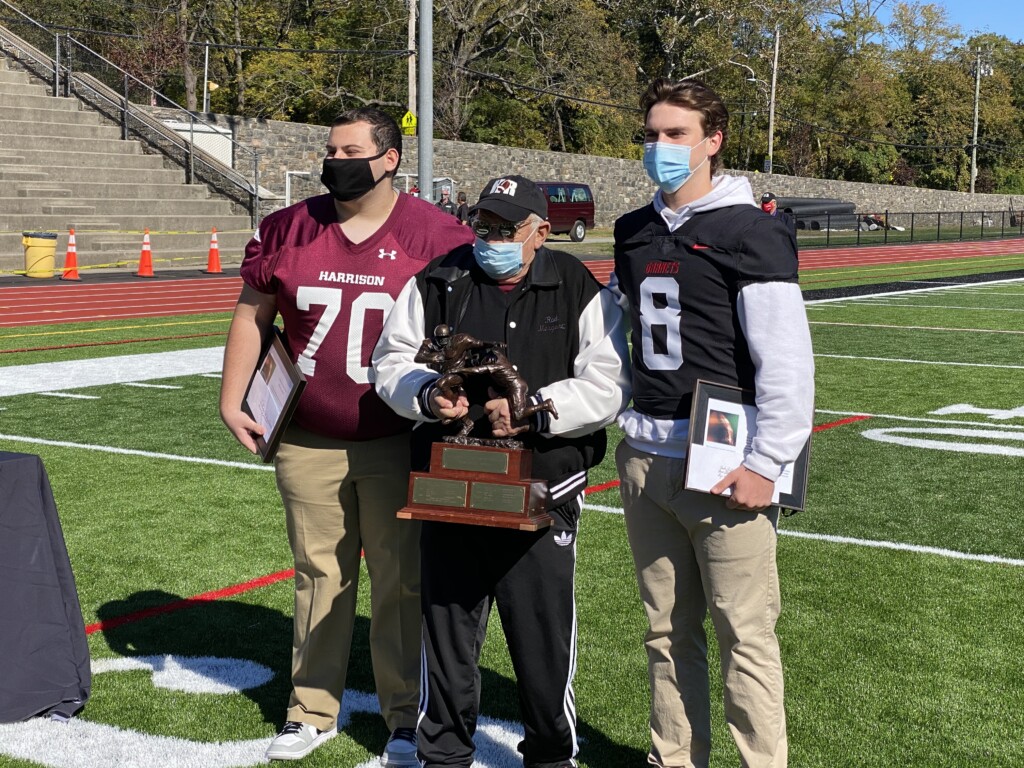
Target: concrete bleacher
(63, 167)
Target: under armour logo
(384, 253)
(563, 539)
(504, 187)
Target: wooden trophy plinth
(478, 485)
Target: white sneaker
(296, 740)
(400, 751)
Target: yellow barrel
(40, 253)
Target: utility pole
(977, 94)
(771, 104)
(206, 78)
(425, 119)
(412, 58)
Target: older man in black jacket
(565, 335)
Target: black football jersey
(682, 288)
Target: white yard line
(878, 544)
(907, 305)
(149, 386)
(599, 508)
(100, 371)
(920, 362)
(132, 452)
(900, 546)
(950, 422)
(69, 395)
(909, 290)
(917, 327)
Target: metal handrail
(192, 153)
(131, 117)
(38, 56)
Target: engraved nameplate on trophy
(499, 492)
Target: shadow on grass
(218, 628)
(226, 629)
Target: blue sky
(1003, 17)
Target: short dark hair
(695, 95)
(385, 131)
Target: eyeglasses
(506, 229)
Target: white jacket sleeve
(600, 387)
(399, 378)
(774, 322)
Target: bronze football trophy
(478, 480)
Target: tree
(467, 32)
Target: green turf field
(902, 582)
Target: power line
(545, 91)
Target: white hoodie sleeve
(774, 323)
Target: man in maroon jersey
(332, 266)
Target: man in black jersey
(711, 282)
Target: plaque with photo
(723, 424)
(273, 392)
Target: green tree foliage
(868, 90)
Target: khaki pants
(341, 497)
(693, 555)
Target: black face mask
(350, 177)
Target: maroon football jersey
(334, 296)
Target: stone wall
(618, 185)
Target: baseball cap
(513, 198)
(767, 197)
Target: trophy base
(478, 484)
(489, 519)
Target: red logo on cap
(504, 187)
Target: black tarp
(44, 657)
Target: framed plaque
(273, 392)
(723, 425)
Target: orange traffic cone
(71, 259)
(146, 259)
(213, 260)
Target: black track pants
(531, 578)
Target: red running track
(27, 304)
(81, 302)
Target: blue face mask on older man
(498, 260)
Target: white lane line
(906, 305)
(894, 545)
(101, 371)
(70, 395)
(132, 452)
(900, 546)
(950, 422)
(838, 299)
(919, 362)
(982, 291)
(149, 386)
(917, 327)
(599, 508)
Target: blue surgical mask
(498, 260)
(668, 165)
